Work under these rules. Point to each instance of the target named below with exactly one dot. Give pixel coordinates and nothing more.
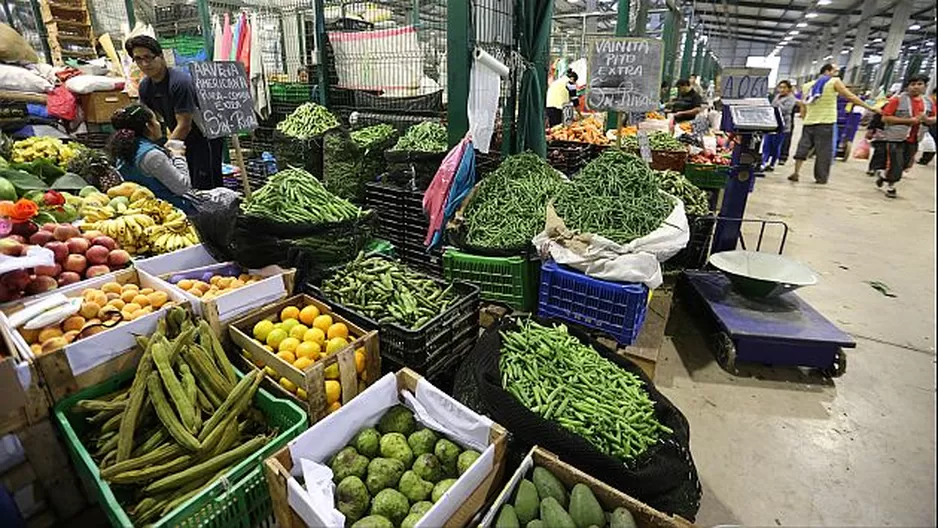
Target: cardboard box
(312, 380)
(24, 400)
(98, 107)
(610, 498)
(292, 506)
(94, 359)
(220, 311)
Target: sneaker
(781, 163)
(793, 178)
(891, 192)
(871, 173)
(880, 181)
(768, 168)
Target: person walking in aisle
(876, 135)
(933, 130)
(819, 115)
(772, 143)
(903, 116)
(558, 97)
(786, 143)
(170, 93)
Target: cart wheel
(839, 366)
(725, 352)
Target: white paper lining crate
(608, 497)
(221, 310)
(96, 358)
(24, 400)
(453, 510)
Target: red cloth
(918, 107)
(243, 55)
(62, 103)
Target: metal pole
(131, 16)
(205, 19)
(622, 30)
(323, 56)
(458, 56)
(698, 59)
(687, 58)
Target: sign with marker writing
(744, 83)
(624, 74)
(225, 104)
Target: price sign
(744, 83)
(225, 103)
(644, 146)
(624, 74)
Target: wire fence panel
(494, 32)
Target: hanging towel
(227, 37)
(244, 46)
(219, 38)
(236, 40)
(259, 89)
(817, 88)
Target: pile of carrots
(588, 130)
(654, 115)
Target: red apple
(41, 238)
(105, 241)
(6, 295)
(118, 258)
(64, 232)
(59, 249)
(91, 235)
(15, 280)
(78, 245)
(41, 284)
(48, 271)
(95, 271)
(24, 229)
(11, 247)
(68, 277)
(76, 263)
(97, 255)
(50, 227)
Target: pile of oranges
(303, 336)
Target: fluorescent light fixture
(913, 47)
(824, 2)
(844, 52)
(794, 32)
(828, 57)
(801, 24)
(915, 27)
(811, 15)
(813, 62)
(877, 39)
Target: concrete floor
(786, 447)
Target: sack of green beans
(305, 153)
(592, 405)
(351, 159)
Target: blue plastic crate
(615, 308)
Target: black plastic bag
(664, 477)
(215, 223)
(301, 153)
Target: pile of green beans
(307, 121)
(562, 380)
(663, 141)
(509, 206)
(294, 196)
(388, 292)
(368, 136)
(424, 137)
(616, 195)
(674, 183)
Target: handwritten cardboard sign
(225, 103)
(624, 74)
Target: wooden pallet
(68, 29)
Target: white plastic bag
(927, 144)
(85, 84)
(601, 258)
(484, 88)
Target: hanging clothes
(227, 37)
(219, 38)
(244, 46)
(236, 38)
(260, 91)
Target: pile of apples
(77, 256)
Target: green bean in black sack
(294, 196)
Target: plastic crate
(567, 156)
(415, 254)
(240, 499)
(707, 176)
(509, 280)
(615, 308)
(290, 92)
(452, 332)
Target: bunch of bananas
(147, 225)
(160, 210)
(128, 230)
(171, 236)
(42, 147)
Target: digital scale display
(754, 118)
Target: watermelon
(7, 191)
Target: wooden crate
(278, 467)
(98, 107)
(610, 498)
(116, 344)
(20, 407)
(312, 380)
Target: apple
(91, 235)
(41, 238)
(16, 279)
(68, 277)
(78, 245)
(11, 247)
(18, 238)
(76, 263)
(6, 294)
(24, 229)
(64, 232)
(105, 241)
(97, 255)
(41, 284)
(118, 258)
(59, 249)
(50, 227)
(48, 271)
(97, 270)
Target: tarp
(534, 19)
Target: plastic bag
(927, 144)
(62, 104)
(638, 261)
(434, 199)
(862, 150)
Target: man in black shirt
(169, 92)
(687, 104)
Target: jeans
(772, 148)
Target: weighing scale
(777, 329)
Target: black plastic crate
(427, 349)
(413, 253)
(568, 157)
(697, 251)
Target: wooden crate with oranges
(309, 352)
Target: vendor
(687, 104)
(171, 94)
(135, 151)
(558, 97)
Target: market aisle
(784, 448)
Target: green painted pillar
(687, 58)
(622, 30)
(698, 59)
(458, 57)
(323, 80)
(205, 19)
(131, 17)
(915, 62)
(670, 36)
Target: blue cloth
(463, 183)
(818, 88)
(132, 172)
(772, 148)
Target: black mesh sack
(663, 477)
(456, 236)
(341, 160)
(215, 223)
(301, 153)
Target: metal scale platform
(779, 329)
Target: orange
(289, 345)
(333, 408)
(323, 322)
(309, 350)
(335, 344)
(288, 324)
(333, 391)
(302, 363)
(308, 314)
(290, 312)
(337, 330)
(130, 286)
(360, 360)
(128, 296)
(298, 331)
(287, 356)
(315, 335)
(111, 287)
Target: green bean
(423, 137)
(570, 384)
(294, 196)
(307, 121)
(675, 184)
